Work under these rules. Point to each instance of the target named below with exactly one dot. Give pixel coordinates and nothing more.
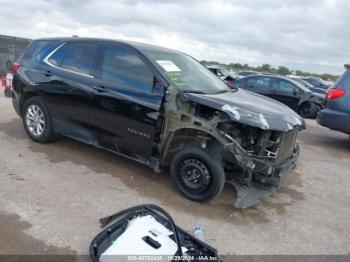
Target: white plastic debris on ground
(131, 242)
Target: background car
(269, 74)
(222, 73)
(336, 115)
(329, 83)
(246, 73)
(316, 82)
(286, 91)
(308, 85)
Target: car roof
(137, 45)
(295, 77)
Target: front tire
(197, 174)
(308, 110)
(37, 120)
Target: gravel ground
(52, 195)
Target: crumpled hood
(252, 109)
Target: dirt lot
(52, 195)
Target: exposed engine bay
(258, 145)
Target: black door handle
(100, 89)
(48, 73)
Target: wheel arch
(25, 97)
(302, 103)
(183, 137)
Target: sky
(309, 35)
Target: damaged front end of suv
(212, 134)
(255, 137)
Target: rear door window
(124, 67)
(76, 57)
(283, 86)
(259, 82)
(79, 57)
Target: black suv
(337, 113)
(291, 93)
(159, 107)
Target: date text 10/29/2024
(172, 258)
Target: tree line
(266, 68)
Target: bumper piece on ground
(248, 196)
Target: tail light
(335, 93)
(15, 67)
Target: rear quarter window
(37, 50)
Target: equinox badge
(139, 133)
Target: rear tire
(37, 120)
(197, 174)
(308, 110)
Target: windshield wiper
(233, 89)
(203, 93)
(194, 92)
(221, 91)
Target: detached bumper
(248, 196)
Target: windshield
(186, 73)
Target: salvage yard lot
(52, 195)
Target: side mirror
(229, 81)
(295, 91)
(229, 84)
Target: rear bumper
(335, 120)
(248, 196)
